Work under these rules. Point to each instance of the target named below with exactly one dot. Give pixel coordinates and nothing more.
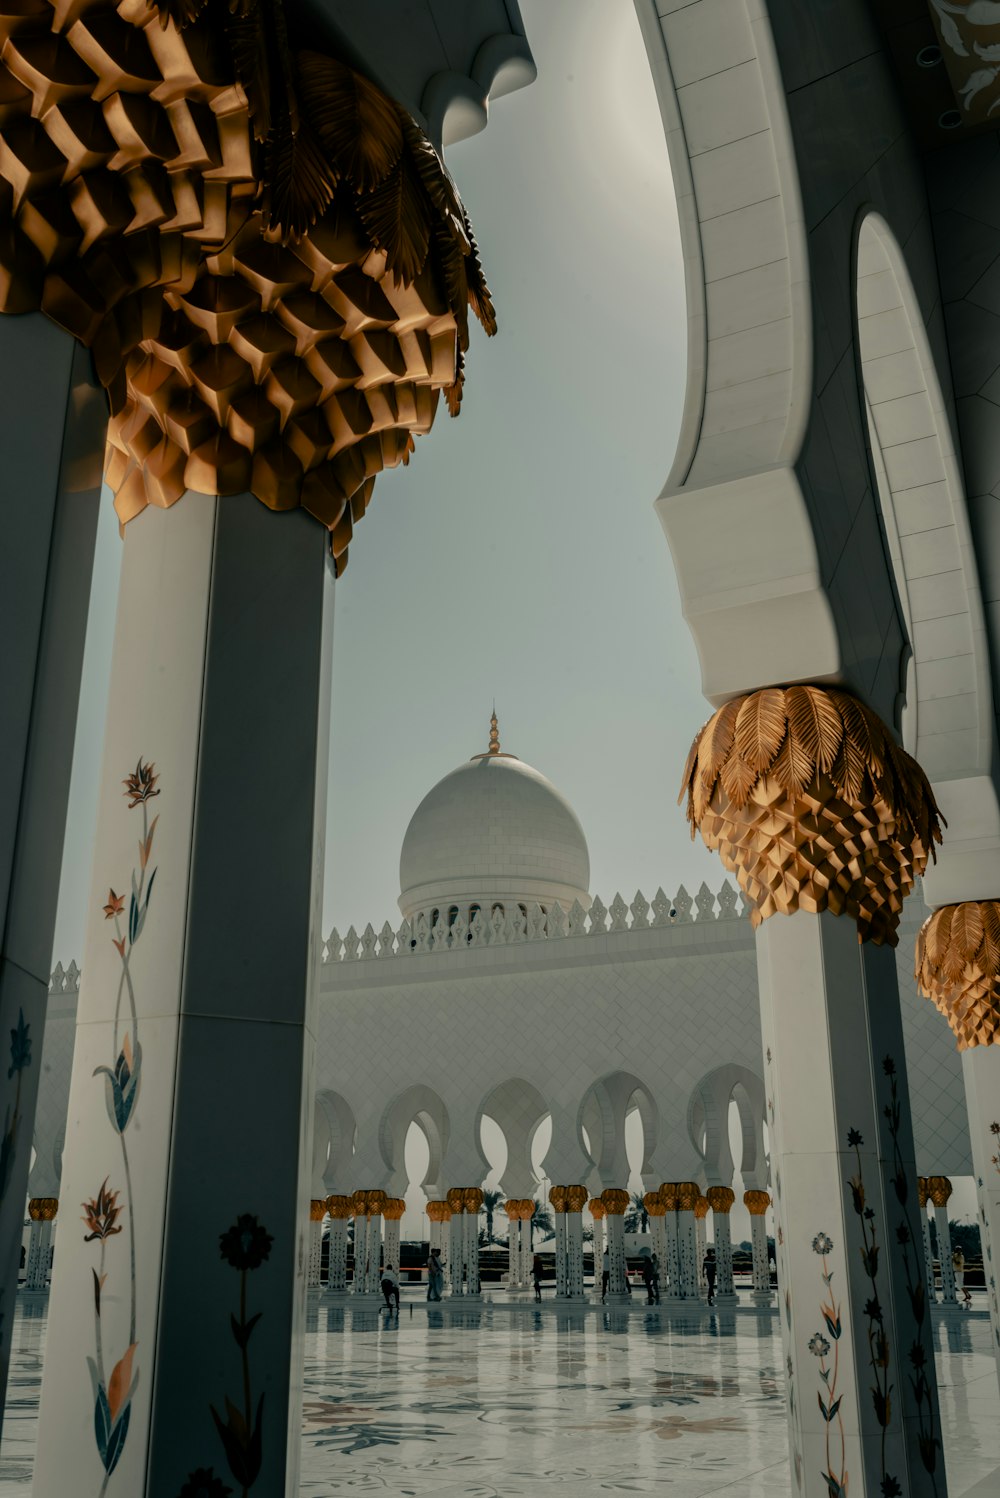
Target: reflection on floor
(491, 1399)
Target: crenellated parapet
(465, 928)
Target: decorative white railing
(506, 926)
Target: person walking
(649, 1279)
(390, 1286)
(536, 1277)
(605, 1274)
(435, 1275)
(958, 1265)
(656, 1278)
(710, 1270)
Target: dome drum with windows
(494, 833)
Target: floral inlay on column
(113, 1395)
(878, 1343)
(20, 1057)
(819, 1345)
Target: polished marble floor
(507, 1399)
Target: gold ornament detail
(317, 1209)
(43, 1208)
(359, 1203)
(264, 254)
(557, 1198)
(921, 1192)
(958, 968)
(668, 1195)
(513, 1209)
(720, 1199)
(939, 1190)
(701, 1209)
(527, 1206)
(615, 1201)
(811, 804)
(688, 1193)
(340, 1208)
(439, 1211)
(576, 1198)
(374, 1202)
(394, 1208)
(596, 1208)
(472, 1199)
(654, 1205)
(756, 1202)
(456, 1200)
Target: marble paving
(507, 1399)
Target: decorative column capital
(688, 1193)
(472, 1199)
(597, 1209)
(394, 1208)
(527, 1206)
(939, 1190)
(756, 1202)
(812, 805)
(958, 969)
(654, 1205)
(615, 1201)
(456, 1200)
(668, 1194)
(439, 1211)
(264, 320)
(359, 1203)
(720, 1199)
(701, 1208)
(340, 1208)
(513, 1209)
(317, 1209)
(557, 1198)
(576, 1198)
(374, 1202)
(43, 1208)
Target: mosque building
(510, 992)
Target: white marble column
(925, 1237)
(360, 1214)
(939, 1190)
(557, 1199)
(317, 1211)
(456, 1242)
(616, 1204)
(856, 1332)
(981, 1066)
(599, 1217)
(675, 1284)
(52, 431)
(701, 1212)
(658, 1232)
(376, 1200)
(192, 1087)
(472, 1200)
(339, 1208)
(720, 1199)
(576, 1200)
(42, 1211)
(392, 1214)
(687, 1246)
(513, 1210)
(757, 1203)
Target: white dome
(494, 831)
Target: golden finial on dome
(494, 733)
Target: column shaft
(315, 1254)
(856, 1331)
(373, 1277)
(392, 1243)
(562, 1277)
(761, 1268)
(471, 1221)
(981, 1066)
(39, 1248)
(701, 1243)
(925, 1233)
(949, 1294)
(675, 1288)
(218, 722)
(722, 1238)
(336, 1274)
(687, 1255)
(52, 430)
(616, 1257)
(456, 1252)
(574, 1255)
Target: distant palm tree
(491, 1200)
(637, 1218)
(541, 1218)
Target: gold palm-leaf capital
(811, 804)
(957, 966)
